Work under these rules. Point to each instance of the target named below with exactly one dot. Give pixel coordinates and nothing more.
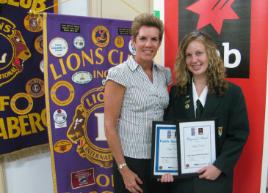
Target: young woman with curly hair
(200, 78)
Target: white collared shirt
(202, 97)
(144, 101)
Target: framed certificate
(196, 144)
(164, 149)
(182, 148)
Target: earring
(132, 48)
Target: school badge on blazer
(228, 23)
(187, 102)
(219, 131)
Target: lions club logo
(101, 36)
(85, 130)
(13, 51)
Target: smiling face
(146, 44)
(196, 58)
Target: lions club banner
(78, 53)
(22, 102)
(239, 28)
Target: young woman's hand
(166, 178)
(209, 172)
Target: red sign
(247, 177)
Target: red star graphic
(213, 12)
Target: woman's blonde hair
(149, 20)
(215, 71)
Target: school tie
(199, 109)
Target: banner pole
(2, 178)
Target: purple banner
(78, 52)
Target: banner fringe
(26, 152)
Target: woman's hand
(209, 172)
(131, 180)
(166, 178)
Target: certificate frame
(196, 142)
(184, 160)
(164, 137)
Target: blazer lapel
(212, 102)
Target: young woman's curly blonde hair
(215, 72)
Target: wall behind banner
(31, 173)
(251, 170)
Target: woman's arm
(113, 100)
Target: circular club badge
(62, 146)
(35, 87)
(119, 42)
(101, 36)
(58, 47)
(41, 66)
(79, 42)
(60, 118)
(38, 44)
(33, 22)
